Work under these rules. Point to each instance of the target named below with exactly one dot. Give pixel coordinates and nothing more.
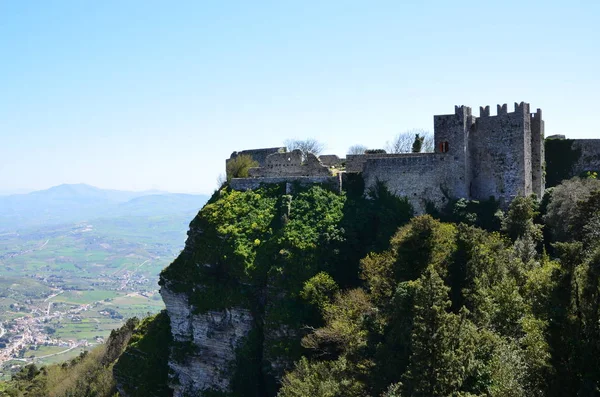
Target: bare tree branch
(403, 142)
(306, 146)
(357, 149)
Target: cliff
(234, 294)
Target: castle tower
(451, 138)
(538, 183)
(501, 154)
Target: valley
(64, 287)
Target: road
(62, 352)
(53, 295)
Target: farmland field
(64, 287)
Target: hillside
(314, 293)
(65, 286)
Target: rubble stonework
(290, 164)
(258, 155)
(500, 156)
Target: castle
(500, 156)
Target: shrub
(239, 166)
(561, 214)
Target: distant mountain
(161, 204)
(79, 202)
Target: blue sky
(153, 94)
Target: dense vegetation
(455, 310)
(258, 250)
(560, 159)
(470, 301)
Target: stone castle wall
(451, 137)
(356, 162)
(589, 160)
(420, 178)
(258, 155)
(500, 149)
(475, 158)
(290, 164)
(330, 160)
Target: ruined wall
(258, 155)
(290, 164)
(330, 160)
(589, 160)
(426, 177)
(500, 150)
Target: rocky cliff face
(234, 296)
(210, 300)
(204, 345)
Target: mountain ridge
(79, 202)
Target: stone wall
(589, 160)
(290, 164)
(500, 150)
(330, 160)
(451, 138)
(421, 178)
(356, 162)
(258, 155)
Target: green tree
(519, 220)
(323, 379)
(319, 290)
(560, 214)
(143, 367)
(418, 143)
(586, 220)
(404, 142)
(239, 166)
(442, 343)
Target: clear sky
(156, 94)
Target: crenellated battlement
(501, 109)
(462, 111)
(521, 107)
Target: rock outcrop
(234, 294)
(204, 345)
